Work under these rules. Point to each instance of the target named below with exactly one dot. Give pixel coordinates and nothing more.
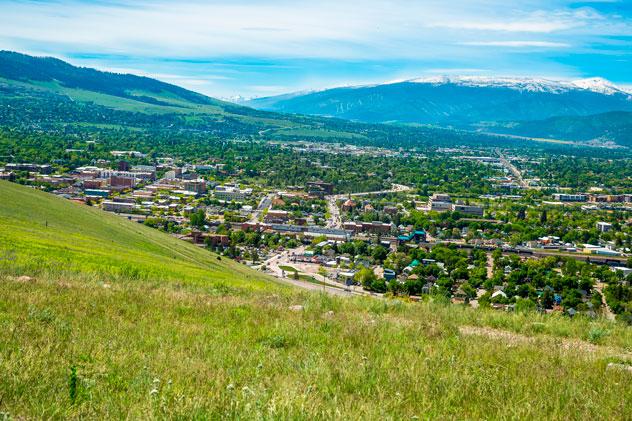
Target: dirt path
(567, 344)
(607, 311)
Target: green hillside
(104, 318)
(44, 234)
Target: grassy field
(101, 317)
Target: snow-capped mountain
(596, 84)
(457, 100)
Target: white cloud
(517, 44)
(278, 28)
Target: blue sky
(258, 48)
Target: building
(563, 197)
(348, 205)
(96, 193)
(604, 226)
(440, 202)
(42, 169)
(134, 154)
(390, 210)
(231, 193)
(215, 240)
(118, 207)
(123, 166)
(468, 209)
(122, 181)
(375, 227)
(7, 175)
(419, 236)
(276, 216)
(97, 183)
(319, 188)
(197, 186)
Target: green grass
(182, 335)
(288, 268)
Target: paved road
(263, 205)
(512, 168)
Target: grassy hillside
(180, 334)
(46, 235)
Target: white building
(604, 226)
(231, 193)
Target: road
(512, 168)
(263, 205)
(284, 259)
(334, 221)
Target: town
(470, 249)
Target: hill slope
(179, 334)
(44, 234)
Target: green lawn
(180, 334)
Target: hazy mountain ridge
(463, 102)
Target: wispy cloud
(517, 44)
(219, 46)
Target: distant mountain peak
(595, 84)
(600, 85)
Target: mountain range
(43, 93)
(470, 102)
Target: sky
(258, 48)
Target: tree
(547, 299)
(543, 217)
(379, 253)
(198, 219)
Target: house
(348, 205)
(419, 236)
(7, 175)
(604, 226)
